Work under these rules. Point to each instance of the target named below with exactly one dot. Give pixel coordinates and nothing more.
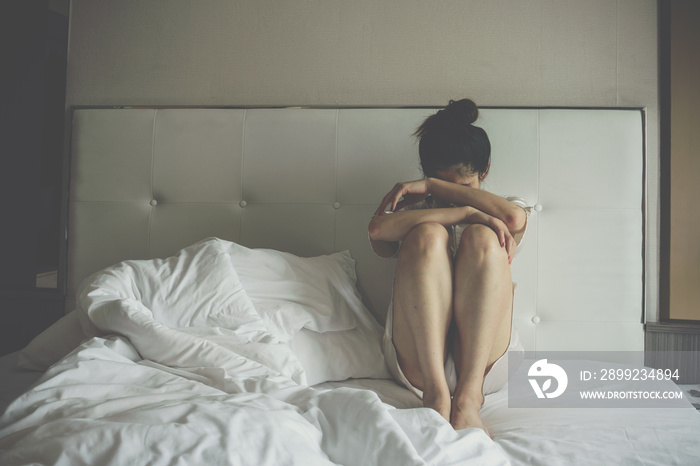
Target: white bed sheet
(105, 390)
(573, 436)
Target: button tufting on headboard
(277, 178)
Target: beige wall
(599, 53)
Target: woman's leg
(422, 312)
(483, 303)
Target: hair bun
(464, 110)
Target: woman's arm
(395, 226)
(512, 215)
(452, 193)
(386, 231)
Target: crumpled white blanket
(181, 370)
(103, 404)
(189, 310)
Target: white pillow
(291, 292)
(315, 302)
(335, 356)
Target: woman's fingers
(510, 247)
(505, 238)
(385, 201)
(399, 193)
(392, 198)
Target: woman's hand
(498, 226)
(404, 194)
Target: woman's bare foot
(465, 412)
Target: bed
(224, 306)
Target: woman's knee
(481, 241)
(425, 238)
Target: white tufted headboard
(146, 182)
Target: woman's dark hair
(449, 139)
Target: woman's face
(461, 176)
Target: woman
(449, 325)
